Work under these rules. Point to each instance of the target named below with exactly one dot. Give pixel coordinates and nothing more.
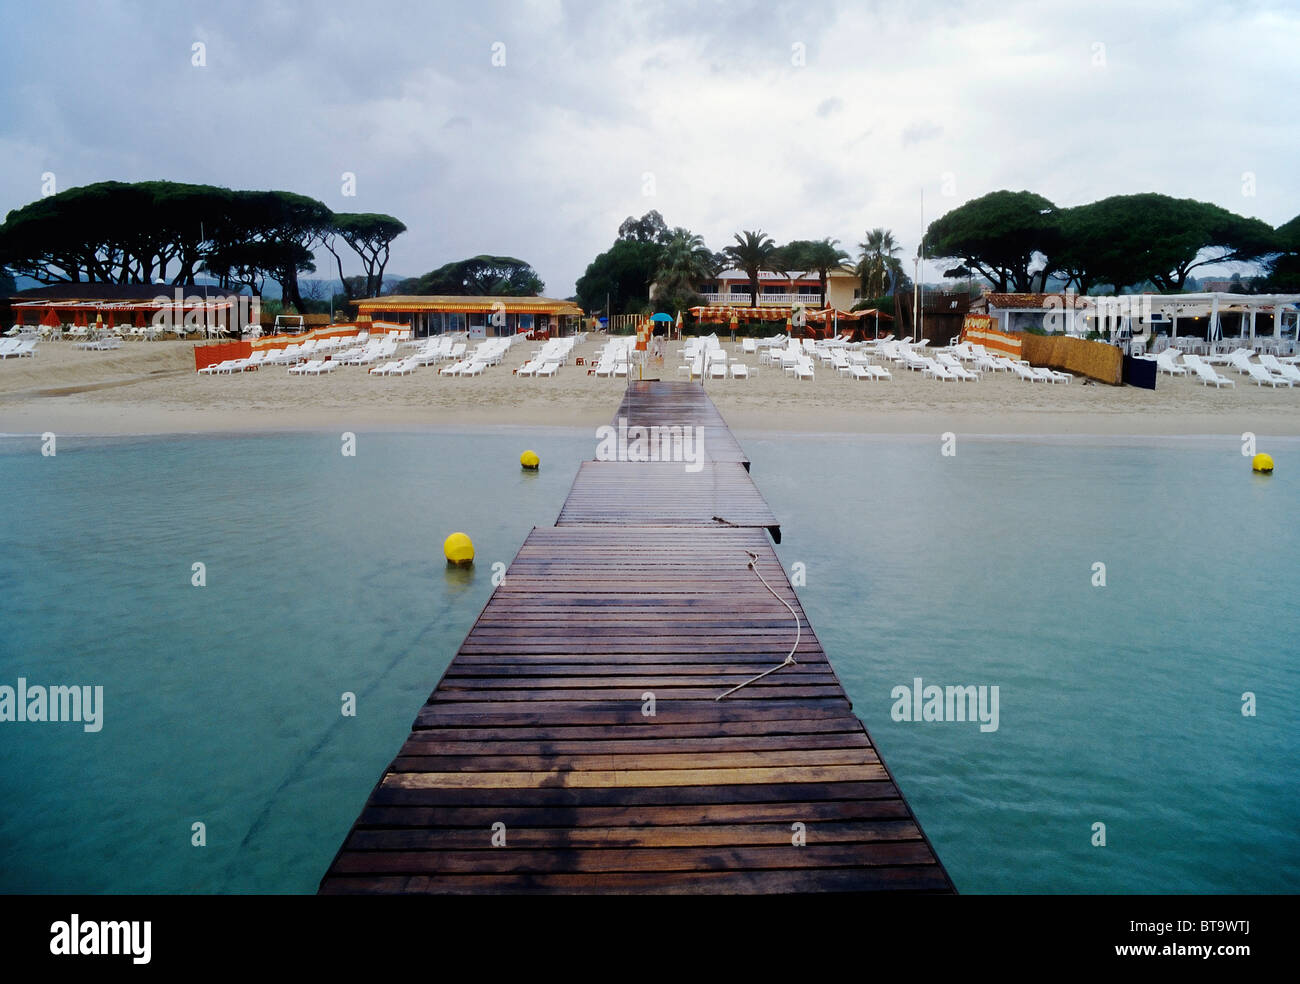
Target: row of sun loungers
(94, 332)
(1269, 371)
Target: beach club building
(132, 309)
(1199, 322)
(480, 316)
(734, 288)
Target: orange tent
(51, 318)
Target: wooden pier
(576, 743)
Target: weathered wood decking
(580, 713)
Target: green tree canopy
(623, 274)
(998, 235)
(1283, 269)
(484, 275)
(1128, 240)
(650, 228)
(114, 232)
(370, 236)
(117, 232)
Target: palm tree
(685, 260)
(754, 252)
(878, 261)
(824, 255)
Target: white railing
(744, 299)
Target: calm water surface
(1118, 704)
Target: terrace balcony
(744, 300)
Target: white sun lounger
(307, 368)
(1025, 373)
(1207, 375)
(1165, 363)
(739, 370)
(403, 367)
(1286, 370)
(936, 371)
(1049, 375)
(549, 369)
(19, 349)
(1261, 376)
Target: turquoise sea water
(1118, 704)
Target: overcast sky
(809, 119)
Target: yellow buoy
(529, 459)
(1262, 463)
(458, 549)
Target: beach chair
(549, 369)
(1261, 376)
(880, 372)
(964, 374)
(307, 368)
(1025, 373)
(862, 374)
(321, 368)
(1239, 359)
(383, 368)
(1165, 363)
(1049, 375)
(1286, 370)
(936, 371)
(739, 370)
(1207, 375)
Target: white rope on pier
(798, 631)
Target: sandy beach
(151, 388)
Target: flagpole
(919, 320)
